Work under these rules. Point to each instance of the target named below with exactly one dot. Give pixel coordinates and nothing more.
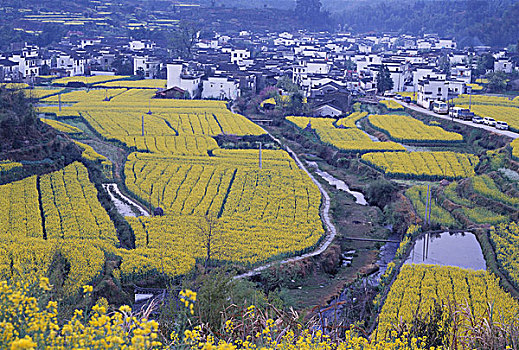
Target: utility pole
(470, 98)
(59, 101)
(430, 204)
(142, 125)
(260, 160)
(427, 206)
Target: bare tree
(211, 234)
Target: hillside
(24, 138)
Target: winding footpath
(325, 217)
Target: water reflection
(448, 249)
(339, 184)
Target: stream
(339, 184)
(446, 249)
(126, 206)
(372, 138)
(386, 255)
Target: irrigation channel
(460, 249)
(124, 205)
(339, 184)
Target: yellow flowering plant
(29, 321)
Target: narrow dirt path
(331, 231)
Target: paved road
(508, 133)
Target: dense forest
(471, 22)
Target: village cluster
(327, 67)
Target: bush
(380, 193)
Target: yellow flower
(44, 284)
(24, 343)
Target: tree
(444, 64)
(384, 81)
(211, 235)
(122, 65)
(295, 106)
(380, 193)
(497, 82)
(485, 62)
(309, 12)
(285, 83)
(183, 39)
(350, 65)
(306, 9)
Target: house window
(439, 90)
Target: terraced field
(260, 213)
(349, 139)
(424, 165)
(418, 287)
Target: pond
(339, 184)
(448, 249)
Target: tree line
(471, 22)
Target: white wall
(220, 88)
(173, 74)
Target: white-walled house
(239, 55)
(462, 73)
(456, 87)
(431, 90)
(503, 65)
(423, 44)
(220, 87)
(148, 65)
(9, 70)
(284, 42)
(89, 42)
(139, 45)
(177, 77)
(72, 65)
(445, 44)
(28, 61)
(328, 110)
(425, 73)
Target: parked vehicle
(440, 107)
(389, 94)
(489, 121)
(477, 119)
(461, 113)
(407, 99)
(398, 97)
(501, 125)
